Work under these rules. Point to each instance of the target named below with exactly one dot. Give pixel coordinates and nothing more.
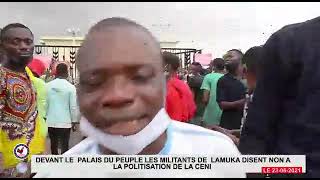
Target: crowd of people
(131, 98)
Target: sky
(214, 27)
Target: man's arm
(206, 96)
(222, 99)
(206, 90)
(224, 105)
(258, 134)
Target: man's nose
(24, 46)
(119, 94)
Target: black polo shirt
(230, 89)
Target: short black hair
(218, 63)
(252, 58)
(196, 64)
(237, 50)
(62, 70)
(171, 59)
(11, 26)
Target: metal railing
(68, 54)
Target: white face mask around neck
(128, 145)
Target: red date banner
(281, 170)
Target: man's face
(18, 46)
(121, 80)
(240, 71)
(234, 57)
(234, 67)
(194, 69)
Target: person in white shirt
(62, 109)
(121, 96)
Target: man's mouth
(26, 54)
(126, 126)
(117, 120)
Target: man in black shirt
(231, 92)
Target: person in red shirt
(180, 104)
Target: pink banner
(203, 59)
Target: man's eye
(28, 41)
(90, 84)
(143, 75)
(16, 41)
(141, 78)
(88, 87)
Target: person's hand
(218, 128)
(240, 104)
(202, 123)
(26, 174)
(73, 127)
(236, 132)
